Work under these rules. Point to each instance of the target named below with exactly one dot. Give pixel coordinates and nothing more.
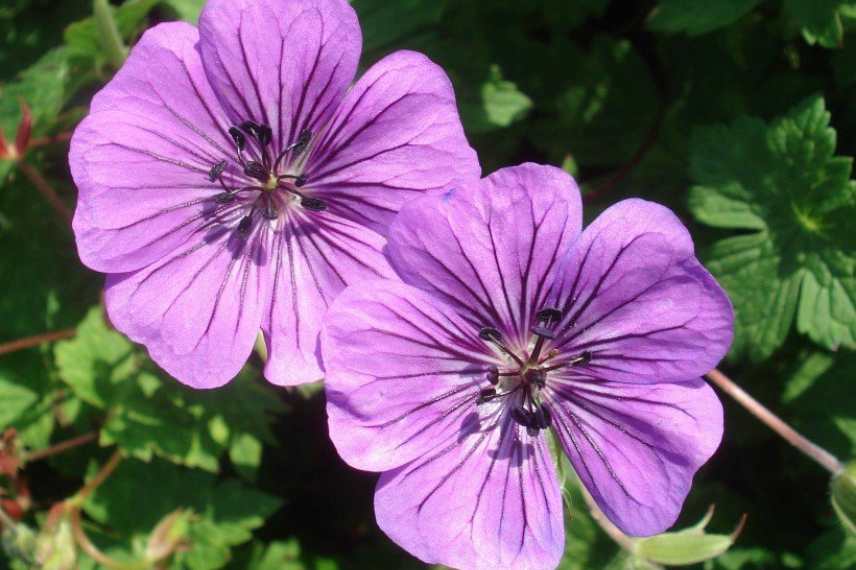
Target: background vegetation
(735, 113)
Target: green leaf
(384, 23)
(605, 108)
(500, 104)
(586, 546)
(822, 406)
(245, 452)
(781, 183)
(82, 38)
(280, 555)
(16, 400)
(696, 17)
(227, 512)
(810, 369)
(843, 497)
(187, 10)
(834, 550)
(688, 546)
(95, 360)
(149, 416)
(44, 87)
(819, 20)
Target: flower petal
(314, 259)
(635, 296)
(488, 500)
(286, 64)
(141, 159)
(636, 447)
(402, 373)
(490, 248)
(198, 311)
(396, 134)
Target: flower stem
(46, 190)
(618, 177)
(31, 341)
(94, 552)
(624, 541)
(774, 422)
(43, 141)
(108, 31)
(99, 478)
(60, 447)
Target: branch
(60, 447)
(31, 341)
(46, 190)
(774, 422)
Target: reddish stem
(623, 172)
(46, 190)
(100, 477)
(774, 422)
(60, 447)
(32, 341)
(44, 141)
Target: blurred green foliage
(738, 114)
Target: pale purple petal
(198, 310)
(402, 373)
(312, 261)
(283, 63)
(490, 248)
(635, 296)
(636, 447)
(396, 135)
(140, 160)
(486, 500)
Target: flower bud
(55, 546)
(169, 535)
(688, 546)
(843, 492)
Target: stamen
(298, 146)
(549, 315)
(245, 224)
(581, 360)
(262, 133)
(486, 395)
(313, 204)
(238, 137)
(216, 171)
(490, 334)
(543, 419)
(493, 336)
(302, 141)
(547, 319)
(256, 170)
(492, 376)
(300, 181)
(523, 417)
(224, 197)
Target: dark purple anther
(238, 137)
(216, 171)
(313, 204)
(256, 170)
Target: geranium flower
(231, 181)
(511, 324)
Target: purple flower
(230, 180)
(511, 324)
